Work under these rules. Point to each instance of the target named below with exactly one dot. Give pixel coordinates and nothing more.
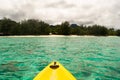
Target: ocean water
(87, 58)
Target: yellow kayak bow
(54, 71)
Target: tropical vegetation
(37, 27)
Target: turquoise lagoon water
(87, 58)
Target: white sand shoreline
(55, 36)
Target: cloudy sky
(104, 12)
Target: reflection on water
(87, 58)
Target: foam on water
(87, 58)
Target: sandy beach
(48, 36)
(55, 36)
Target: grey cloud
(56, 11)
(87, 7)
(60, 4)
(18, 16)
(19, 12)
(86, 22)
(13, 15)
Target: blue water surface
(87, 58)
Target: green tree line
(37, 27)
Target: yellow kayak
(54, 71)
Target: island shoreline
(56, 36)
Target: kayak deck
(54, 71)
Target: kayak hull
(59, 73)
